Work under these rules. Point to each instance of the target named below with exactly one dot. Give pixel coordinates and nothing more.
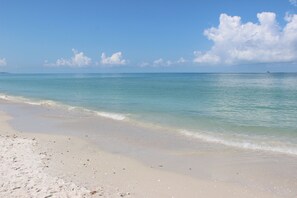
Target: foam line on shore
(50, 103)
(242, 145)
(202, 136)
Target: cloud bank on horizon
(228, 36)
(235, 42)
(160, 62)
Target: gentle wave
(112, 115)
(120, 117)
(50, 103)
(238, 144)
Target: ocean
(248, 111)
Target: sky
(53, 36)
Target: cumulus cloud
(79, 59)
(114, 59)
(3, 62)
(293, 2)
(235, 42)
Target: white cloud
(78, 60)
(181, 60)
(114, 59)
(3, 62)
(293, 2)
(144, 64)
(263, 42)
(163, 63)
(158, 62)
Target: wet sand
(115, 159)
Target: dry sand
(42, 165)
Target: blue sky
(148, 36)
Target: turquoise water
(252, 111)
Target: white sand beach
(50, 165)
(148, 99)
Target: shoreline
(138, 176)
(200, 136)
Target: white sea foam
(109, 115)
(19, 99)
(240, 144)
(44, 103)
(53, 104)
(112, 115)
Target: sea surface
(249, 111)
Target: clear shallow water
(253, 111)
